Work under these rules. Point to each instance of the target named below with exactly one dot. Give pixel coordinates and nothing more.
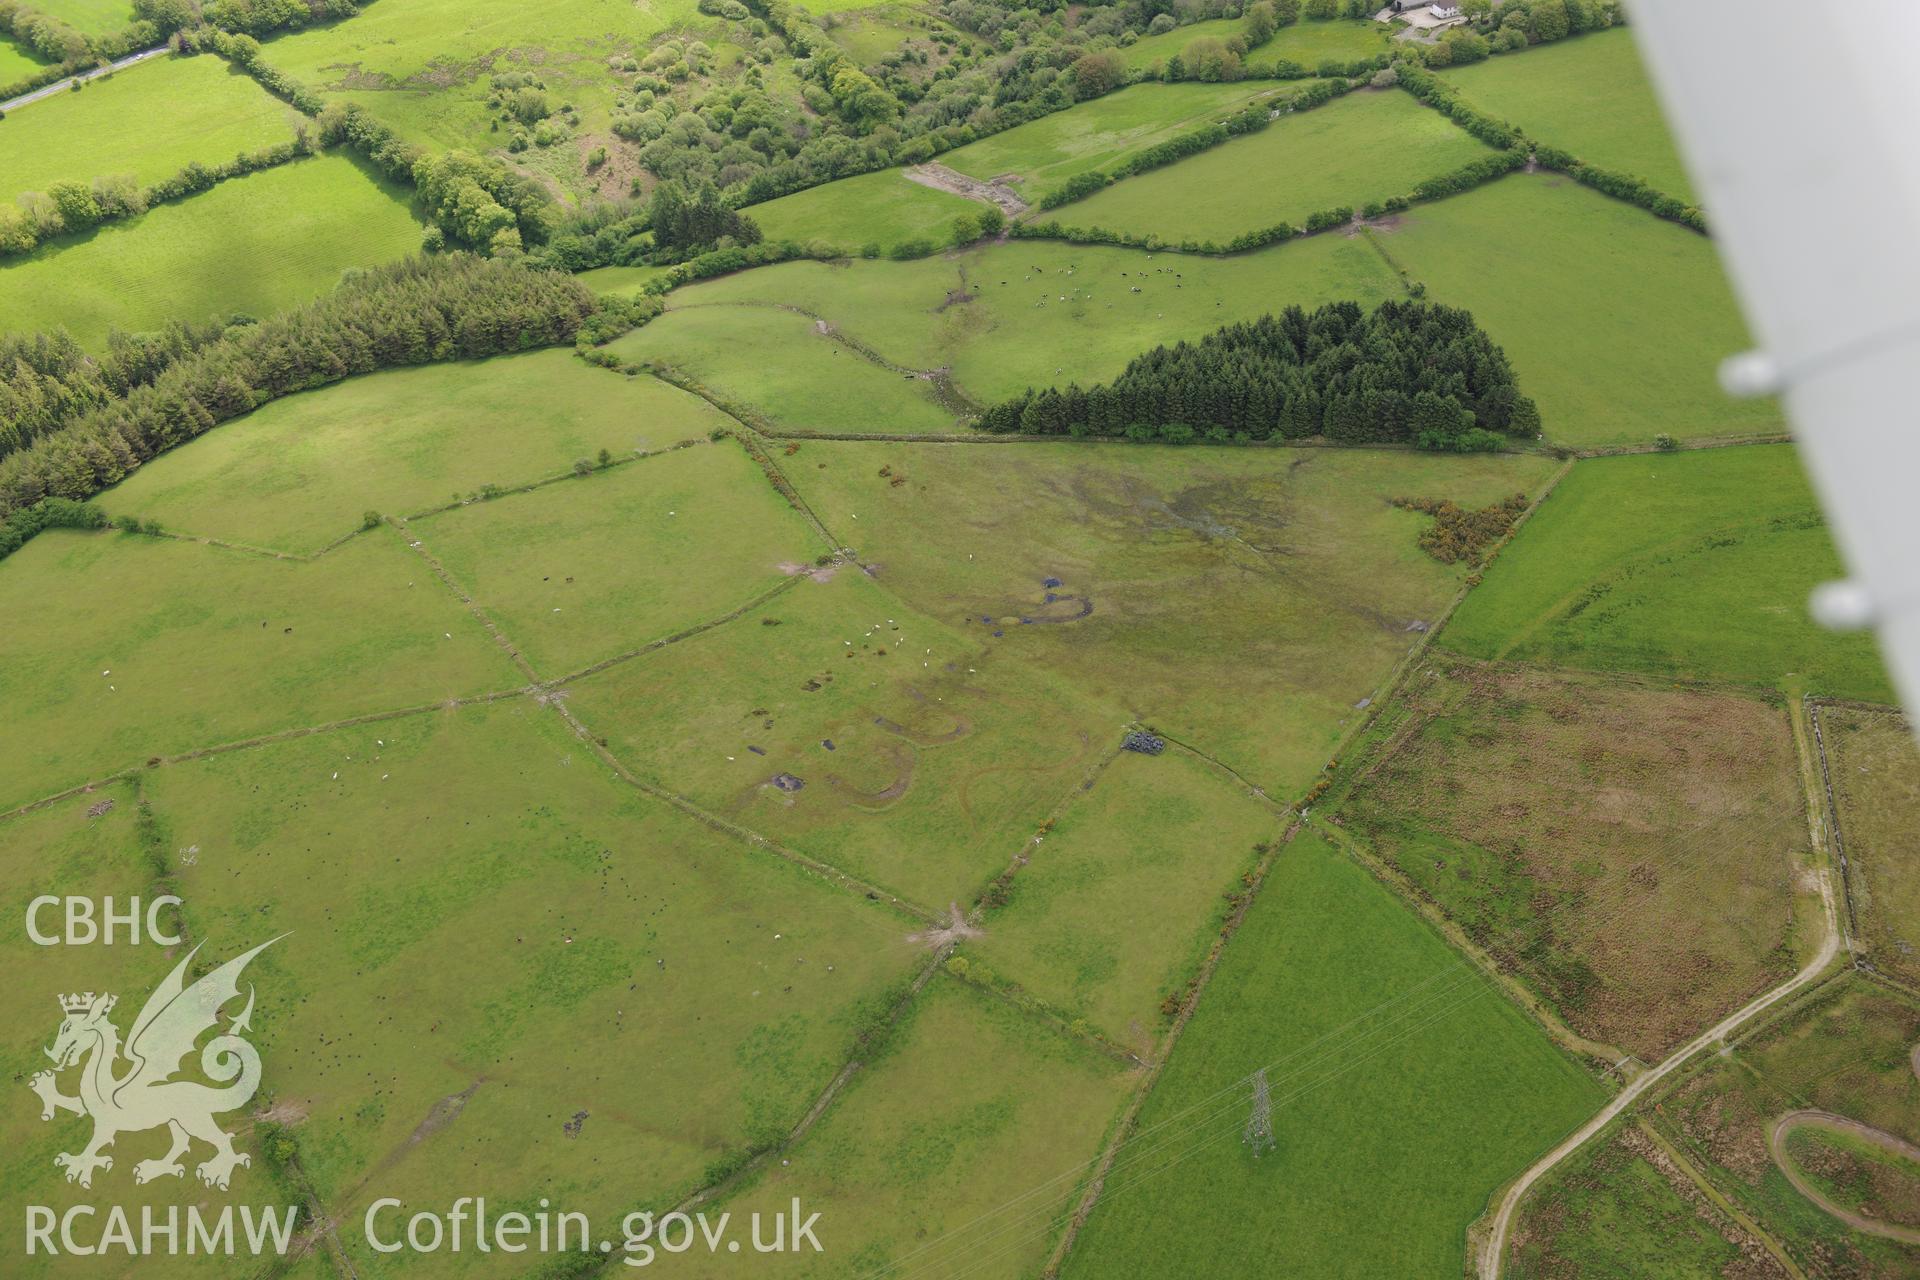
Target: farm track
(1784, 1126)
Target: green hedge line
(1622, 186)
(1250, 119)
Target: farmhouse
(1422, 16)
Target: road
(1494, 1248)
(61, 86)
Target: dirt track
(1493, 1248)
(953, 182)
(1777, 1147)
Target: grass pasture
(1621, 1210)
(63, 850)
(971, 1106)
(300, 472)
(1120, 901)
(1590, 96)
(869, 37)
(1846, 1050)
(1385, 1054)
(779, 365)
(1100, 133)
(1240, 600)
(90, 17)
(924, 761)
(881, 210)
(1691, 565)
(600, 565)
(1571, 826)
(1149, 51)
(425, 67)
(1876, 779)
(254, 245)
(1308, 42)
(503, 967)
(1033, 313)
(170, 646)
(150, 121)
(622, 282)
(1615, 320)
(1367, 146)
(17, 62)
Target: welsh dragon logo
(144, 1094)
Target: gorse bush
(1407, 372)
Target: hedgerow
(1622, 186)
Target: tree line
(1407, 372)
(1622, 186)
(423, 309)
(47, 380)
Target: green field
(1615, 320)
(424, 67)
(1612, 1213)
(1044, 153)
(599, 565)
(93, 17)
(1308, 43)
(497, 916)
(1590, 818)
(62, 850)
(1385, 1056)
(869, 37)
(1589, 96)
(253, 245)
(1031, 313)
(780, 366)
(1876, 781)
(1121, 898)
(173, 646)
(300, 473)
(1183, 572)
(621, 281)
(187, 109)
(971, 1107)
(17, 62)
(1365, 147)
(1692, 565)
(881, 210)
(923, 759)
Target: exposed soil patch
(941, 178)
(817, 572)
(956, 929)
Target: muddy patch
(817, 572)
(955, 929)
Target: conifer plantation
(1406, 372)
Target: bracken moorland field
(740, 665)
